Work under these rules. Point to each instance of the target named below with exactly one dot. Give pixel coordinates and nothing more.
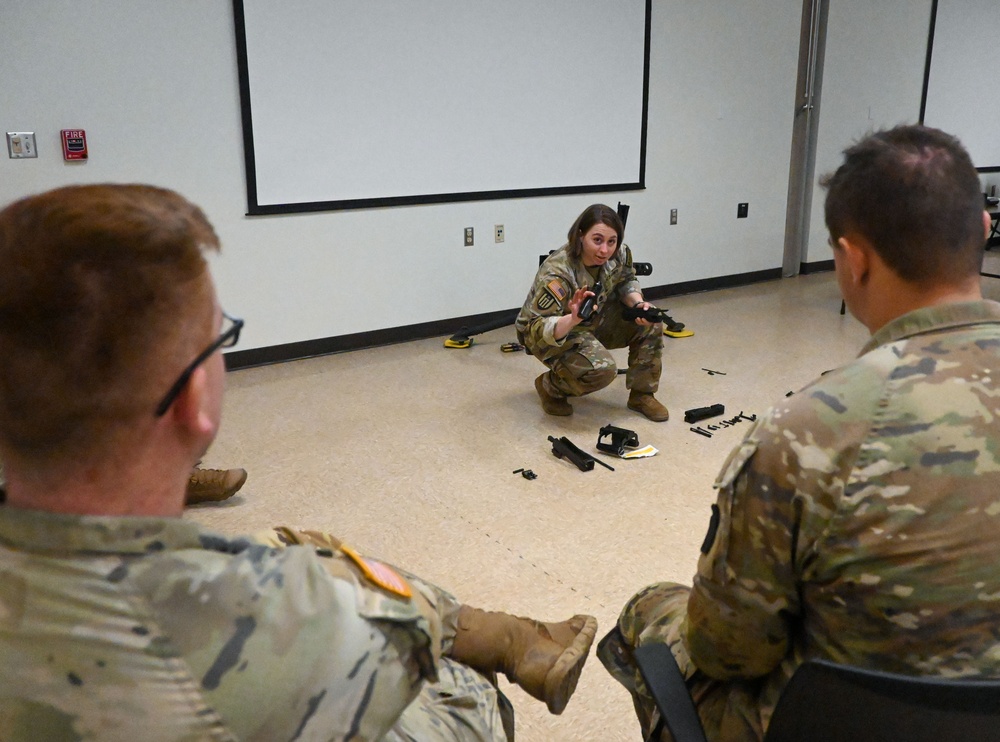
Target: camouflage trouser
(463, 704)
(584, 365)
(728, 710)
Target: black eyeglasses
(229, 337)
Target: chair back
(827, 702)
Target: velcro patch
(713, 529)
(553, 294)
(556, 288)
(380, 574)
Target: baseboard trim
(240, 359)
(342, 343)
(710, 284)
(817, 267)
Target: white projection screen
(959, 96)
(361, 103)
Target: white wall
(872, 79)
(154, 84)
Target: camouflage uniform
(857, 522)
(128, 628)
(580, 362)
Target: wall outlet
(498, 233)
(673, 216)
(21, 144)
(742, 210)
(468, 237)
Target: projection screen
(354, 103)
(959, 96)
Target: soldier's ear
(192, 409)
(857, 253)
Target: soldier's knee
(598, 378)
(651, 336)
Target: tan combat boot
(552, 405)
(545, 659)
(213, 485)
(646, 404)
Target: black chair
(827, 702)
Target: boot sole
(561, 680)
(654, 418)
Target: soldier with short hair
(121, 621)
(857, 522)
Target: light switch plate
(21, 144)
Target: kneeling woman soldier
(590, 264)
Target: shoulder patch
(553, 294)
(380, 574)
(556, 288)
(713, 529)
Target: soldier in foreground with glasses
(119, 620)
(857, 522)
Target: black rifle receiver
(698, 414)
(653, 314)
(564, 448)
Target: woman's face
(599, 244)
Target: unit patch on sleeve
(553, 294)
(381, 574)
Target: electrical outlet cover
(21, 144)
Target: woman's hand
(568, 321)
(636, 301)
(576, 301)
(639, 320)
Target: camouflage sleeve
(341, 657)
(436, 605)
(547, 301)
(743, 591)
(777, 493)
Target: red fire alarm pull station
(74, 143)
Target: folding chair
(827, 702)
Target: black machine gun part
(564, 448)
(621, 438)
(653, 314)
(590, 303)
(702, 413)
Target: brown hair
(594, 214)
(913, 192)
(104, 298)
